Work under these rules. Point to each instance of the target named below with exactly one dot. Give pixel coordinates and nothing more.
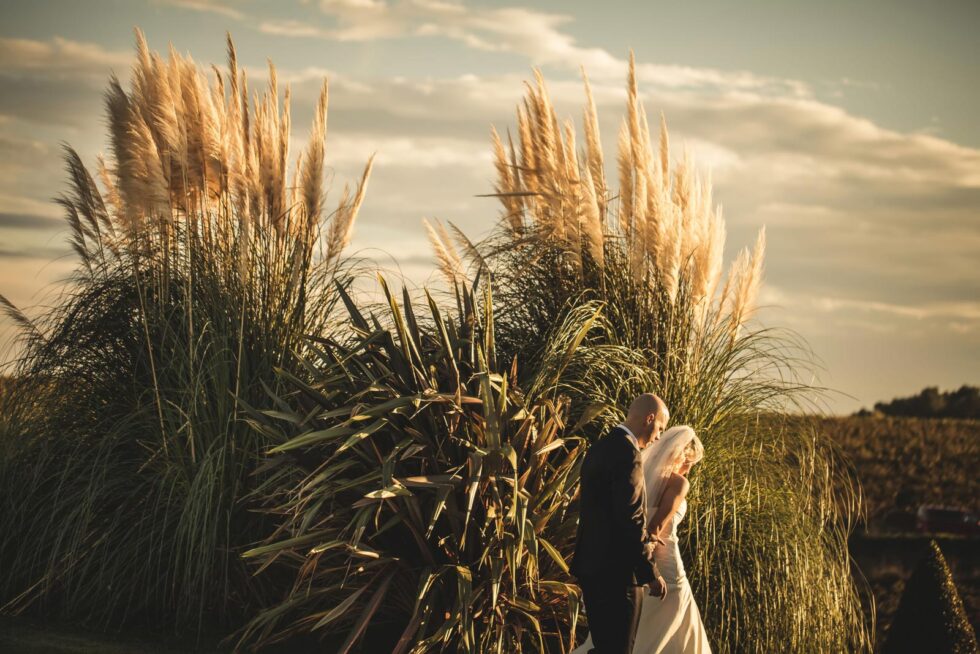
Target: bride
(672, 625)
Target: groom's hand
(651, 545)
(658, 588)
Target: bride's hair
(663, 457)
(693, 453)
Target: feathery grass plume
(124, 476)
(528, 168)
(470, 250)
(593, 221)
(312, 181)
(624, 160)
(747, 282)
(593, 147)
(507, 175)
(342, 225)
(770, 575)
(448, 259)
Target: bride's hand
(656, 540)
(658, 588)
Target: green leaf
(362, 434)
(313, 438)
(340, 609)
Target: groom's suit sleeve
(629, 512)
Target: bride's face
(685, 468)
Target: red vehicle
(931, 518)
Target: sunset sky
(849, 129)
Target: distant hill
(931, 403)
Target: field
(903, 463)
(906, 462)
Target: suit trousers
(613, 611)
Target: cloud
(432, 152)
(19, 155)
(209, 6)
(59, 56)
(833, 311)
(534, 34)
(39, 253)
(28, 221)
(954, 310)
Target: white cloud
(219, 7)
(531, 33)
(955, 310)
(964, 314)
(59, 55)
(408, 152)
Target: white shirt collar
(630, 435)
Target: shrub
(930, 615)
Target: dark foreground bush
(426, 490)
(930, 616)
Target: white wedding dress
(672, 625)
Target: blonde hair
(693, 453)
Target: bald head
(647, 417)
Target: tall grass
(201, 268)
(772, 505)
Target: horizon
(851, 135)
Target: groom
(611, 559)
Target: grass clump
(201, 268)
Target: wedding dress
(672, 625)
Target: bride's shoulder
(680, 483)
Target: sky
(849, 129)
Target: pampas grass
(203, 263)
(772, 505)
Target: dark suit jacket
(612, 516)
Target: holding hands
(657, 587)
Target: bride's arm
(674, 493)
